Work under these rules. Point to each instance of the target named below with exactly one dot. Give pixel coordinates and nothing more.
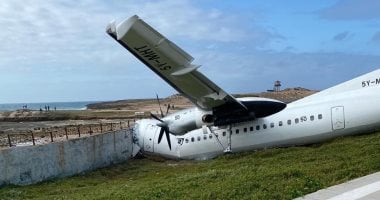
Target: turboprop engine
(183, 121)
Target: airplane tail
(369, 80)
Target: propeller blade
(155, 117)
(158, 100)
(168, 137)
(160, 135)
(167, 109)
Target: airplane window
(257, 127)
(205, 137)
(180, 141)
(224, 133)
(237, 131)
(187, 140)
(264, 126)
(303, 119)
(320, 116)
(210, 136)
(245, 130)
(296, 120)
(272, 125)
(280, 123)
(192, 139)
(289, 122)
(251, 128)
(312, 118)
(199, 138)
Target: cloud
(182, 19)
(63, 43)
(59, 50)
(376, 37)
(341, 36)
(50, 33)
(352, 10)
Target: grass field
(283, 173)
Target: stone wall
(32, 164)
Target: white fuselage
(351, 107)
(302, 122)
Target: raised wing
(171, 63)
(175, 66)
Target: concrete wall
(31, 164)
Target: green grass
(283, 173)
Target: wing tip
(119, 30)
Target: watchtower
(277, 86)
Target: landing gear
(228, 149)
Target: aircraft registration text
(369, 83)
(149, 54)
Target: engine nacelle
(187, 120)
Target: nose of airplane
(137, 133)
(137, 136)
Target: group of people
(47, 108)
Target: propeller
(167, 109)
(159, 105)
(156, 118)
(164, 129)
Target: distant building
(277, 86)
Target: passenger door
(149, 138)
(337, 118)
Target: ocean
(52, 105)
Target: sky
(57, 50)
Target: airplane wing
(171, 63)
(175, 66)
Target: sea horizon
(75, 105)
